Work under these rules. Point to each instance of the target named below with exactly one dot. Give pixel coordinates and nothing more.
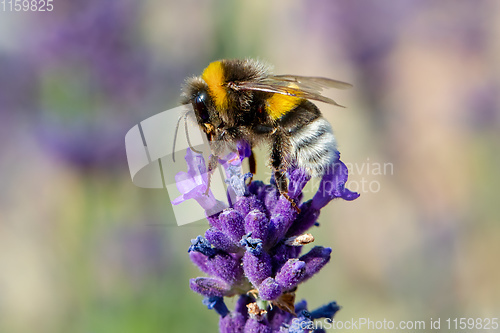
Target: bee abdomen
(314, 147)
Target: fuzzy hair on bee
(237, 100)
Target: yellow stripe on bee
(213, 75)
(279, 104)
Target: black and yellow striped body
(312, 144)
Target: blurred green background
(83, 250)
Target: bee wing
(318, 83)
(293, 85)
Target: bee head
(215, 102)
(197, 94)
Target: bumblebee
(237, 100)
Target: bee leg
(282, 183)
(212, 165)
(252, 165)
(279, 150)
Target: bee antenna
(175, 136)
(187, 134)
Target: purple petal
(234, 177)
(178, 200)
(269, 289)
(332, 186)
(277, 318)
(232, 224)
(301, 306)
(209, 203)
(216, 303)
(291, 274)
(196, 164)
(256, 222)
(257, 268)
(221, 241)
(281, 253)
(207, 286)
(226, 267)
(200, 260)
(197, 192)
(306, 219)
(196, 174)
(315, 259)
(185, 182)
(298, 179)
(254, 326)
(193, 184)
(232, 323)
(279, 226)
(214, 221)
(244, 149)
(257, 188)
(326, 311)
(261, 190)
(212, 207)
(285, 209)
(270, 196)
(246, 204)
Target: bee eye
(200, 106)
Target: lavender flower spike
(252, 248)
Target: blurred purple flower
(125, 253)
(99, 37)
(85, 146)
(253, 249)
(95, 72)
(369, 33)
(18, 86)
(18, 92)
